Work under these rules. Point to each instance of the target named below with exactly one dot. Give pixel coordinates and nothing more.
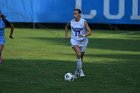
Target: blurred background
(100, 14)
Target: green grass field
(36, 61)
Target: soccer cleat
(81, 74)
(76, 74)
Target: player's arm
(12, 30)
(11, 27)
(88, 30)
(88, 33)
(66, 30)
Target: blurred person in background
(3, 24)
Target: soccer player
(3, 23)
(79, 40)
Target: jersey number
(77, 33)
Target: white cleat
(81, 74)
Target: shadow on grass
(98, 43)
(115, 44)
(134, 57)
(40, 76)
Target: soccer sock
(79, 64)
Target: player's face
(76, 14)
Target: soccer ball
(68, 77)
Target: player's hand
(11, 37)
(81, 35)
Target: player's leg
(79, 70)
(77, 51)
(82, 55)
(83, 48)
(1, 48)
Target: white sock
(79, 64)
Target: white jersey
(77, 28)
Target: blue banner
(61, 11)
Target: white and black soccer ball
(68, 77)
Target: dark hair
(3, 16)
(79, 11)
